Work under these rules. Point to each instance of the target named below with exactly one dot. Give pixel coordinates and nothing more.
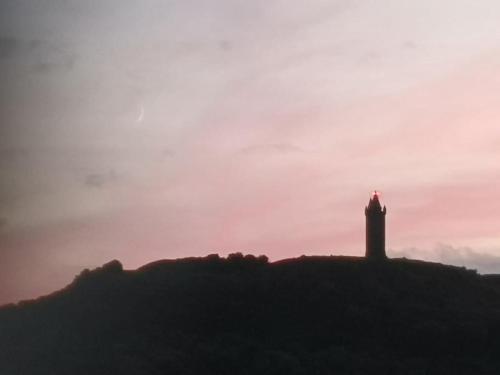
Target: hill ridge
(245, 315)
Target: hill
(244, 315)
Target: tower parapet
(375, 228)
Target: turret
(375, 228)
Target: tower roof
(374, 201)
(374, 205)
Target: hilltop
(245, 315)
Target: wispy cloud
(460, 256)
(97, 180)
(273, 148)
(3, 223)
(8, 46)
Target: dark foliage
(243, 315)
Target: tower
(375, 228)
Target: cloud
(8, 46)
(13, 153)
(168, 153)
(63, 63)
(35, 43)
(43, 67)
(409, 44)
(272, 148)
(3, 223)
(44, 56)
(98, 180)
(46, 67)
(225, 45)
(457, 256)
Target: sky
(143, 130)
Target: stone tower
(375, 228)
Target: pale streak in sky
(141, 114)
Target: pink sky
(153, 129)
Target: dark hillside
(243, 315)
